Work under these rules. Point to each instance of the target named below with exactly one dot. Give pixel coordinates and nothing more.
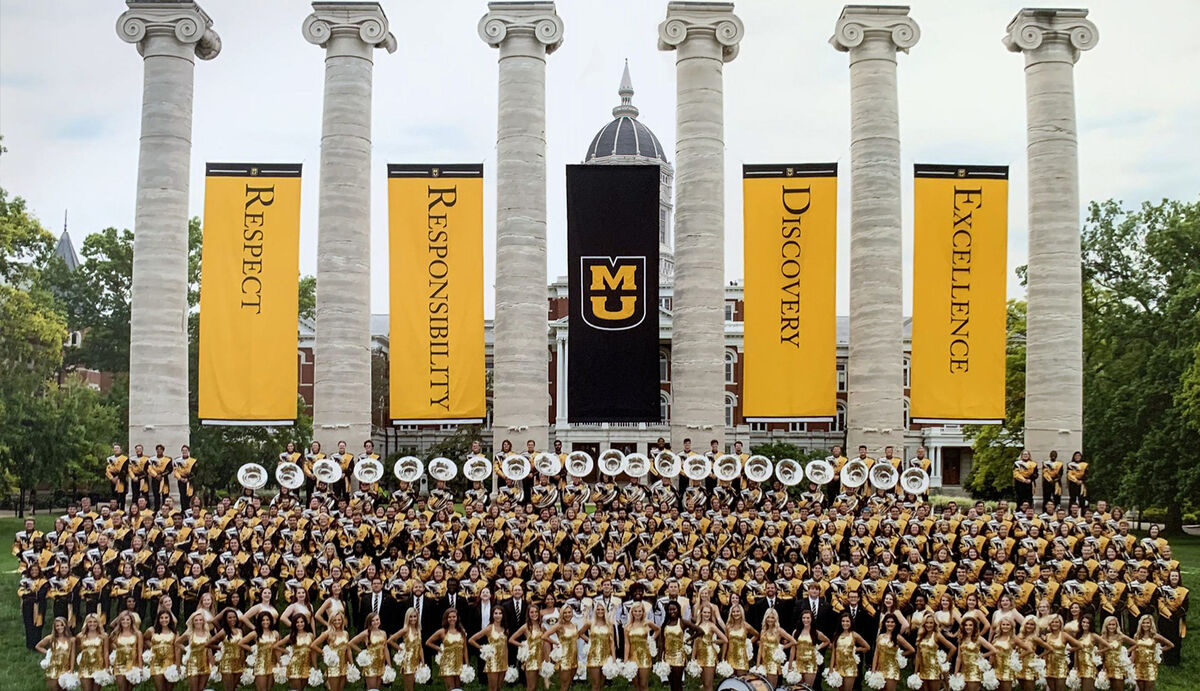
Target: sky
(70, 103)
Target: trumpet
(477, 468)
(637, 465)
(252, 476)
(289, 476)
(914, 481)
(667, 464)
(547, 464)
(789, 472)
(442, 469)
(883, 476)
(854, 473)
(612, 462)
(327, 471)
(516, 468)
(819, 472)
(407, 469)
(727, 467)
(758, 468)
(697, 467)
(579, 464)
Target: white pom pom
(1014, 661)
(957, 682)
(69, 681)
(759, 670)
(1038, 665)
(45, 663)
(791, 675)
(363, 658)
(547, 670)
(724, 669)
(832, 678)
(693, 668)
(353, 675)
(779, 655)
(252, 657)
(874, 680)
(423, 674)
(1102, 682)
(247, 677)
(1158, 653)
(215, 676)
(172, 674)
(629, 670)
(388, 676)
(652, 646)
(901, 660)
(556, 653)
(218, 655)
(467, 675)
(609, 669)
(147, 656)
(1073, 681)
(281, 675)
(990, 681)
(510, 675)
(285, 660)
(1124, 660)
(522, 651)
(104, 678)
(820, 658)
(984, 665)
(112, 658)
(914, 681)
(329, 656)
(750, 649)
(487, 652)
(661, 670)
(315, 678)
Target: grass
(19, 669)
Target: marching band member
(183, 468)
(1024, 470)
(1077, 480)
(158, 470)
(138, 467)
(1052, 479)
(115, 471)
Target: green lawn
(19, 669)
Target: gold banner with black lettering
(790, 368)
(249, 294)
(435, 340)
(960, 253)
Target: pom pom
(112, 658)
(137, 675)
(353, 675)
(661, 670)
(281, 675)
(610, 669)
(104, 678)
(247, 677)
(990, 681)
(69, 681)
(510, 675)
(750, 649)
(172, 674)
(1038, 665)
(467, 675)
(1158, 653)
(389, 675)
(556, 653)
(423, 674)
(285, 660)
(363, 658)
(857, 659)
(791, 675)
(1102, 682)
(693, 668)
(147, 656)
(45, 663)
(487, 652)
(218, 655)
(778, 655)
(832, 678)
(759, 670)
(1073, 681)
(914, 681)
(252, 657)
(820, 658)
(315, 678)
(329, 656)
(901, 660)
(984, 665)
(629, 670)
(522, 651)
(547, 670)
(724, 669)
(874, 680)
(1014, 661)
(957, 682)
(215, 677)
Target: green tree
(995, 446)
(25, 245)
(777, 450)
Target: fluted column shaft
(169, 36)
(875, 371)
(525, 34)
(704, 37)
(1051, 41)
(342, 352)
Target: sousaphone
(667, 465)
(547, 464)
(612, 462)
(884, 475)
(252, 476)
(327, 471)
(820, 472)
(637, 465)
(407, 469)
(727, 467)
(854, 473)
(368, 471)
(789, 472)
(580, 464)
(697, 467)
(758, 468)
(289, 476)
(516, 467)
(477, 468)
(442, 469)
(914, 481)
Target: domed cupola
(625, 137)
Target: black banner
(612, 255)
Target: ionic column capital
(364, 21)
(1035, 28)
(858, 23)
(183, 21)
(716, 20)
(506, 20)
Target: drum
(746, 682)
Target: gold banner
(249, 294)
(435, 340)
(960, 251)
(790, 316)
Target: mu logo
(613, 292)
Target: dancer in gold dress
(1145, 654)
(1116, 641)
(973, 649)
(299, 644)
(846, 651)
(888, 647)
(706, 647)
(495, 660)
(639, 632)
(451, 643)
(1026, 646)
(337, 639)
(929, 642)
(773, 644)
(194, 642)
(567, 633)
(601, 644)
(261, 642)
(126, 643)
(1005, 644)
(373, 640)
(1055, 643)
(410, 653)
(228, 641)
(534, 637)
(741, 639)
(60, 645)
(93, 652)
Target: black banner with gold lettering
(612, 255)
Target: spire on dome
(626, 92)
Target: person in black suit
(477, 614)
(452, 600)
(771, 600)
(379, 601)
(864, 624)
(824, 617)
(516, 610)
(428, 611)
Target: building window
(841, 377)
(729, 307)
(906, 420)
(664, 406)
(730, 362)
(759, 426)
(487, 420)
(907, 379)
(730, 404)
(665, 303)
(797, 426)
(662, 226)
(664, 367)
(839, 423)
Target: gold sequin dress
(568, 640)
(411, 659)
(675, 654)
(377, 651)
(1112, 663)
(197, 664)
(969, 657)
(768, 643)
(888, 666)
(599, 646)
(534, 641)
(301, 663)
(1002, 659)
(639, 645)
(125, 654)
(1057, 664)
(338, 641)
(452, 654)
(233, 658)
(60, 658)
(1027, 672)
(736, 653)
(1144, 666)
(264, 662)
(499, 661)
(91, 657)
(844, 656)
(706, 646)
(927, 650)
(1085, 657)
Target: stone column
(1051, 40)
(525, 33)
(169, 36)
(704, 36)
(875, 372)
(349, 33)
